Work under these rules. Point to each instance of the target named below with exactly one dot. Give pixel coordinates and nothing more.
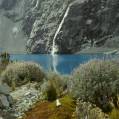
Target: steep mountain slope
(31, 25)
(12, 38)
(93, 23)
(37, 19)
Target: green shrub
(5, 58)
(86, 110)
(19, 73)
(54, 84)
(114, 114)
(51, 93)
(58, 82)
(98, 82)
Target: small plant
(114, 114)
(51, 92)
(58, 82)
(55, 85)
(19, 73)
(4, 61)
(5, 57)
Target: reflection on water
(63, 64)
(54, 63)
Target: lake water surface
(64, 64)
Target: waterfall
(54, 47)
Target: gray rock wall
(30, 25)
(92, 23)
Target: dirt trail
(48, 110)
(41, 111)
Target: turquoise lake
(63, 64)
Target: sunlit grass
(65, 111)
(114, 114)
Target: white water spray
(54, 47)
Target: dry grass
(114, 114)
(48, 110)
(65, 111)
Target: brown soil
(41, 111)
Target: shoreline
(93, 50)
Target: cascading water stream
(54, 47)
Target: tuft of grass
(114, 114)
(51, 93)
(49, 110)
(65, 111)
(86, 109)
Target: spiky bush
(18, 73)
(114, 114)
(55, 86)
(85, 110)
(51, 92)
(59, 82)
(5, 58)
(98, 82)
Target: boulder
(5, 98)
(4, 103)
(6, 115)
(10, 99)
(4, 89)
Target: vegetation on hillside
(19, 73)
(92, 91)
(98, 83)
(4, 60)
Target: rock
(82, 28)
(25, 98)
(5, 99)
(10, 99)
(4, 103)
(6, 115)
(4, 89)
(86, 26)
(7, 4)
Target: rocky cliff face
(37, 19)
(92, 23)
(33, 24)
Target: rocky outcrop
(88, 23)
(37, 19)
(92, 23)
(5, 99)
(26, 97)
(48, 15)
(6, 102)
